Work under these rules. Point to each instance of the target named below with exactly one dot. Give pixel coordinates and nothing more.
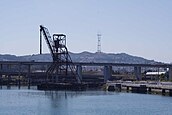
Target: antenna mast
(99, 43)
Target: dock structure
(164, 88)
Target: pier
(163, 88)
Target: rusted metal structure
(62, 64)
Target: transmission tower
(99, 43)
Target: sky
(136, 27)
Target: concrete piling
(118, 87)
(143, 89)
(8, 82)
(163, 91)
(128, 88)
(149, 90)
(170, 92)
(111, 88)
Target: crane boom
(50, 43)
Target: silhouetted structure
(99, 43)
(60, 55)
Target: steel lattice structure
(62, 63)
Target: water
(34, 102)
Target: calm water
(34, 102)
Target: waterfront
(34, 102)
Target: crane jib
(60, 55)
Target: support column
(107, 73)
(170, 74)
(28, 76)
(137, 72)
(110, 71)
(1, 81)
(1, 67)
(9, 81)
(8, 77)
(19, 74)
(79, 71)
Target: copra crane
(62, 63)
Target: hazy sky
(137, 27)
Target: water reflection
(27, 102)
(74, 94)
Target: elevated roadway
(78, 65)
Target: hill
(83, 57)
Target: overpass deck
(86, 64)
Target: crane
(62, 62)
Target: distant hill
(109, 58)
(83, 57)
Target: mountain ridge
(83, 57)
